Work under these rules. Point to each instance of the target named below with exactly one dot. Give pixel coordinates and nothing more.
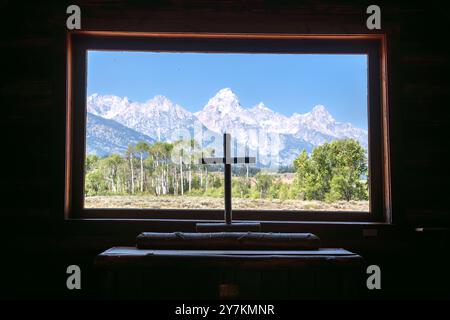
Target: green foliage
(263, 184)
(284, 169)
(95, 183)
(142, 147)
(216, 181)
(283, 192)
(295, 192)
(196, 182)
(91, 162)
(333, 171)
(254, 194)
(241, 187)
(196, 192)
(273, 191)
(214, 192)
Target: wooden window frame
(374, 45)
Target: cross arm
(217, 160)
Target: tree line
(333, 171)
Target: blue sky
(286, 83)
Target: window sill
(135, 226)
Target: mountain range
(275, 139)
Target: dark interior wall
(40, 245)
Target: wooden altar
(229, 273)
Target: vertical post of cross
(227, 176)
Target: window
(145, 111)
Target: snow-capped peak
(225, 100)
(160, 99)
(320, 111)
(261, 107)
(226, 92)
(319, 108)
(161, 103)
(318, 114)
(106, 106)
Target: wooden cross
(227, 160)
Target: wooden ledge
(228, 241)
(131, 258)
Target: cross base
(224, 227)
